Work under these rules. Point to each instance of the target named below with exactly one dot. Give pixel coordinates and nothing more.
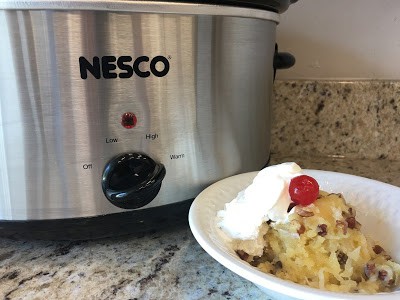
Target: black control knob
(132, 180)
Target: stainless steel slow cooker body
(198, 79)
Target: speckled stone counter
(358, 119)
(345, 127)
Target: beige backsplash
(359, 119)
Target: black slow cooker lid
(278, 6)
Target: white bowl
(378, 210)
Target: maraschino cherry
(303, 190)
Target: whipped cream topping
(267, 198)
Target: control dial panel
(132, 180)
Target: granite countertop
(170, 264)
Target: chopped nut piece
(278, 265)
(378, 249)
(382, 274)
(243, 255)
(386, 274)
(301, 230)
(369, 269)
(350, 213)
(256, 261)
(303, 212)
(351, 222)
(296, 226)
(342, 258)
(342, 224)
(322, 229)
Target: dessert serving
(284, 225)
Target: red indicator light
(128, 120)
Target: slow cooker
(115, 114)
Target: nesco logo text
(107, 66)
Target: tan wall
(342, 39)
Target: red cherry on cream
(303, 190)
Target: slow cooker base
(130, 222)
